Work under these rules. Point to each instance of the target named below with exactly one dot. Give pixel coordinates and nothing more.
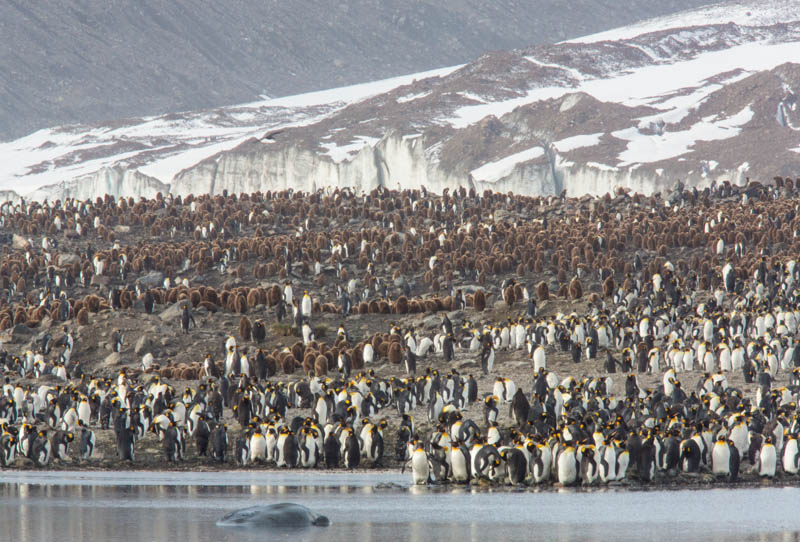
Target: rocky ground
(166, 338)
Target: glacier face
(115, 181)
(639, 112)
(397, 162)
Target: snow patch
(602, 167)
(472, 96)
(578, 141)
(353, 93)
(494, 171)
(649, 85)
(654, 148)
(411, 97)
(575, 74)
(341, 153)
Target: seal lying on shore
(283, 515)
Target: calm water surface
(128, 506)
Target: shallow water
(128, 506)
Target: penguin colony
(691, 298)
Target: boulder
(152, 279)
(100, 280)
(500, 305)
(172, 313)
(143, 345)
(19, 242)
(19, 331)
(455, 316)
(112, 360)
(432, 322)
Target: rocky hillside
(704, 97)
(95, 60)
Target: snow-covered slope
(740, 12)
(160, 147)
(701, 97)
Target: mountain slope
(93, 60)
(699, 103)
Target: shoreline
(384, 479)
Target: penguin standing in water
(690, 456)
(790, 460)
(607, 462)
(241, 450)
(647, 460)
(516, 465)
(420, 468)
(671, 453)
(8, 448)
(287, 449)
(352, 451)
(721, 457)
(125, 439)
(485, 460)
(187, 319)
(258, 446)
(733, 462)
(623, 460)
(331, 450)
(567, 466)
(60, 444)
(41, 450)
(541, 462)
(219, 442)
(767, 459)
(588, 465)
(170, 443)
(201, 436)
(460, 463)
